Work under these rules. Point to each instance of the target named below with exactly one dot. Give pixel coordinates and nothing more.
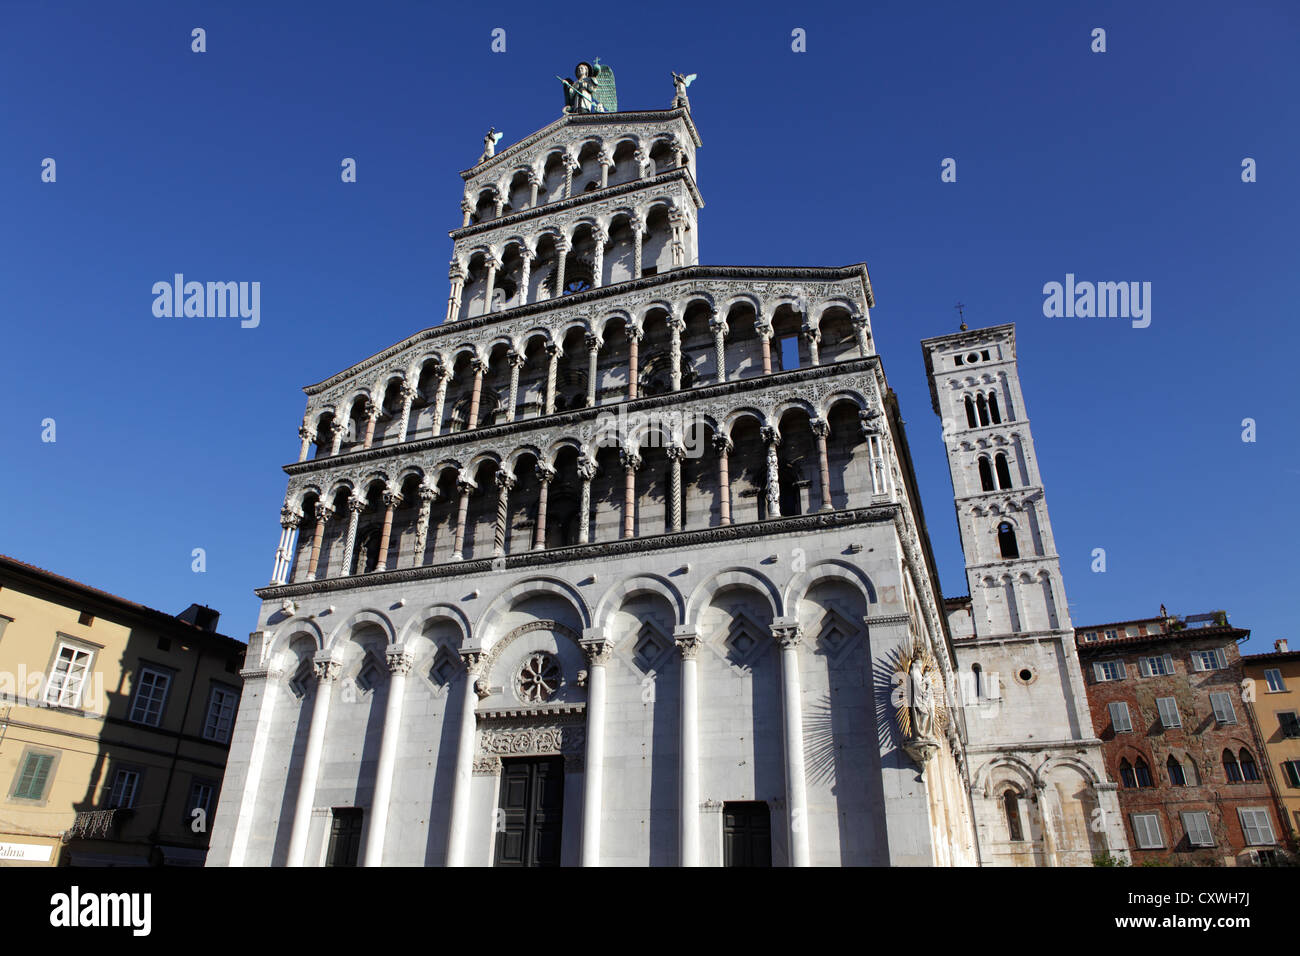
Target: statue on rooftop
(590, 90)
(490, 144)
(679, 89)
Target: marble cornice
(589, 553)
(458, 328)
(683, 398)
(583, 199)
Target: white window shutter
(1098, 672)
(1220, 657)
(1169, 664)
(1143, 667)
(1123, 672)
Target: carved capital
(400, 661)
(675, 452)
(515, 359)
(545, 474)
(428, 493)
(820, 427)
(306, 433)
(356, 505)
(770, 435)
(787, 636)
(392, 499)
(722, 444)
(326, 669)
(506, 480)
(290, 517)
(593, 342)
(631, 459)
(324, 512)
(552, 349)
(598, 651)
(633, 332)
(688, 646)
(586, 468)
(465, 486)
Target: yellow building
(1276, 709)
(115, 722)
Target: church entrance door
(531, 808)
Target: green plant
(1106, 859)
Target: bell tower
(1026, 708)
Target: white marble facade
(648, 525)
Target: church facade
(624, 563)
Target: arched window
(993, 408)
(1004, 473)
(1231, 769)
(1175, 770)
(986, 474)
(1011, 803)
(970, 413)
(979, 683)
(982, 404)
(1248, 769)
(1142, 772)
(1126, 777)
(1007, 540)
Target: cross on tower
(961, 315)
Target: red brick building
(1166, 700)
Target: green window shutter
(35, 774)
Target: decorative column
(493, 263)
(676, 326)
(598, 654)
(561, 253)
(633, 363)
(552, 374)
(631, 462)
(464, 486)
(641, 161)
(408, 393)
(441, 376)
(764, 329)
(466, 745)
(675, 455)
(289, 520)
(533, 183)
(678, 223)
(786, 631)
(722, 445)
(593, 374)
(570, 164)
(399, 663)
(372, 412)
(355, 507)
(467, 210)
(526, 257)
(337, 428)
(772, 438)
(638, 227)
(586, 471)
(822, 429)
(391, 500)
(860, 331)
(812, 336)
(308, 435)
(498, 203)
(545, 475)
(323, 514)
(516, 362)
(505, 481)
(428, 495)
(327, 674)
(599, 237)
(719, 327)
(688, 644)
(478, 366)
(262, 686)
(456, 273)
(605, 161)
(1045, 817)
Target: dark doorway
(345, 837)
(747, 834)
(532, 806)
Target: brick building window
(1248, 769)
(1169, 716)
(1224, 712)
(1256, 826)
(1175, 770)
(1160, 666)
(1119, 718)
(1143, 773)
(1197, 825)
(1146, 831)
(1211, 660)
(1108, 670)
(1126, 777)
(1231, 769)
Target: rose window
(538, 679)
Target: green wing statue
(606, 92)
(590, 89)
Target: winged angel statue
(591, 89)
(679, 88)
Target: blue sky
(224, 165)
